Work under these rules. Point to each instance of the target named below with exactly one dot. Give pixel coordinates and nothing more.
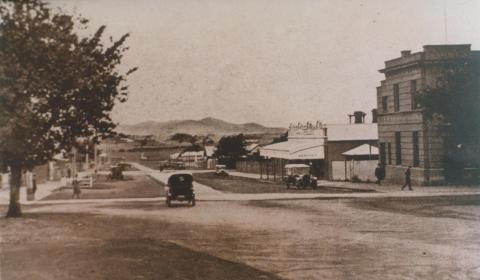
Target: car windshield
(297, 170)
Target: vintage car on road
(116, 171)
(180, 188)
(298, 175)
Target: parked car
(116, 173)
(298, 175)
(124, 165)
(180, 188)
(220, 170)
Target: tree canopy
(231, 148)
(184, 138)
(282, 138)
(55, 86)
(455, 100)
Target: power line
(445, 20)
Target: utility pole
(95, 155)
(74, 161)
(87, 156)
(445, 20)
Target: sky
(268, 61)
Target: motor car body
(298, 175)
(180, 188)
(116, 172)
(220, 170)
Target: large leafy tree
(184, 138)
(55, 86)
(231, 148)
(454, 101)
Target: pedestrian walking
(407, 180)
(380, 173)
(76, 187)
(34, 184)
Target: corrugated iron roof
(362, 150)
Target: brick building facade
(406, 137)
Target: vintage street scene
(256, 139)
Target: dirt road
(378, 238)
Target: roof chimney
(405, 53)
(358, 116)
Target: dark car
(180, 188)
(116, 172)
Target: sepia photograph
(239, 139)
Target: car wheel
(168, 202)
(193, 201)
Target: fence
(271, 169)
(363, 170)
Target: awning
(296, 165)
(294, 150)
(362, 150)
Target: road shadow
(455, 207)
(84, 246)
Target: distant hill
(206, 126)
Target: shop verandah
(273, 158)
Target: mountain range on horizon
(205, 126)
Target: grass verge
(236, 184)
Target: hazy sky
(268, 61)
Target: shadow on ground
(465, 207)
(83, 246)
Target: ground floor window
(382, 153)
(389, 153)
(398, 149)
(416, 155)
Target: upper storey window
(396, 97)
(413, 90)
(385, 104)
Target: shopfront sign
(308, 130)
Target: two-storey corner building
(406, 136)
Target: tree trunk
(14, 209)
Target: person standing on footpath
(34, 184)
(76, 187)
(407, 180)
(379, 173)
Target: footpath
(43, 190)
(383, 188)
